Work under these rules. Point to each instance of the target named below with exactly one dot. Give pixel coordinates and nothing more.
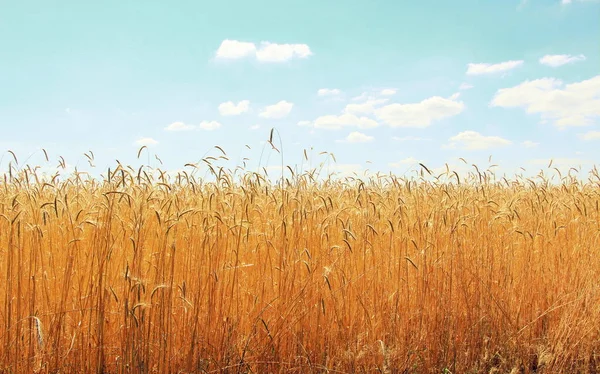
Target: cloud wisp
(486, 68)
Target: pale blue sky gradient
(81, 75)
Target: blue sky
(383, 85)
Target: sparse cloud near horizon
(486, 68)
(357, 137)
(560, 162)
(474, 141)
(179, 126)
(229, 108)
(277, 111)
(407, 162)
(148, 142)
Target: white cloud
(591, 135)
(362, 96)
(575, 104)
(465, 86)
(357, 137)
(408, 138)
(145, 142)
(254, 127)
(375, 94)
(566, 2)
(483, 68)
(454, 96)
(229, 108)
(179, 126)
(328, 92)
(267, 52)
(405, 162)
(333, 122)
(560, 162)
(559, 60)
(529, 144)
(272, 52)
(233, 49)
(345, 170)
(472, 141)
(209, 125)
(49, 171)
(364, 108)
(277, 111)
(419, 114)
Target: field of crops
(144, 273)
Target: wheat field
(144, 272)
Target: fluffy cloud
(480, 69)
(388, 92)
(419, 114)
(277, 111)
(405, 162)
(575, 104)
(472, 141)
(145, 142)
(591, 135)
(560, 162)
(465, 86)
(233, 49)
(266, 52)
(529, 144)
(328, 92)
(209, 125)
(272, 52)
(230, 109)
(559, 60)
(367, 107)
(179, 126)
(357, 137)
(333, 122)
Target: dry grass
(137, 273)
